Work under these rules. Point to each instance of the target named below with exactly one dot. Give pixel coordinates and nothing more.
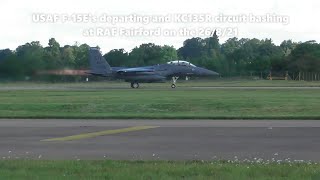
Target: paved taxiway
(159, 139)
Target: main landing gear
(174, 81)
(134, 85)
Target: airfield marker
(100, 133)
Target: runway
(159, 139)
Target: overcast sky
(293, 19)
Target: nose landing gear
(174, 81)
(135, 85)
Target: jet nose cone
(206, 72)
(212, 73)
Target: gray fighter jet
(147, 74)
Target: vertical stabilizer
(98, 64)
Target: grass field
(42, 170)
(181, 83)
(162, 103)
(158, 101)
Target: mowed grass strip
(39, 169)
(165, 103)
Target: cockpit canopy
(181, 63)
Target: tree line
(231, 58)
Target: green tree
(192, 48)
(68, 57)
(168, 53)
(150, 54)
(30, 57)
(53, 55)
(81, 54)
(287, 46)
(305, 57)
(117, 58)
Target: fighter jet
(148, 74)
